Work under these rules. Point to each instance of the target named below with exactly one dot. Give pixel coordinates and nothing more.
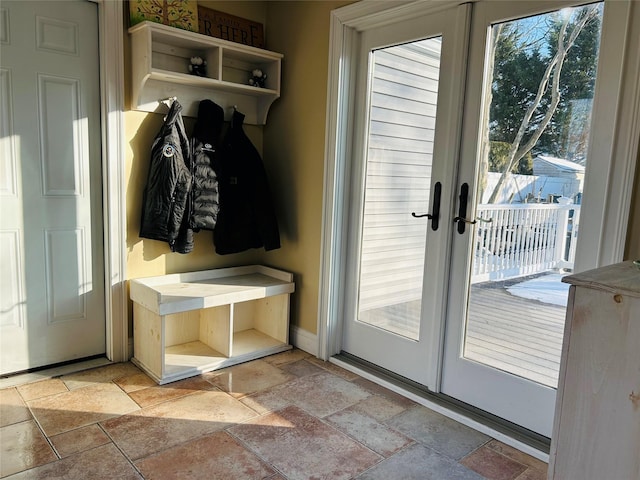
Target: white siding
(398, 175)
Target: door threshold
(53, 371)
(506, 432)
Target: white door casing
(111, 33)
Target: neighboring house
(557, 167)
(572, 174)
(552, 178)
(534, 188)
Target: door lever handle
(461, 219)
(473, 222)
(435, 215)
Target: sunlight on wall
(294, 141)
(293, 155)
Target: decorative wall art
(229, 27)
(175, 13)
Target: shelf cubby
(160, 57)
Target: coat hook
(168, 101)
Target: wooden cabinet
(596, 432)
(189, 323)
(160, 57)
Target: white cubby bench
(189, 323)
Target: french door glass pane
(404, 89)
(533, 161)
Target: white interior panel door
(51, 275)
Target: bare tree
(550, 82)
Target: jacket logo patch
(168, 150)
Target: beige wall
(632, 250)
(149, 257)
(292, 143)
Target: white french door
(411, 299)
(408, 131)
(503, 343)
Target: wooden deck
(520, 336)
(517, 335)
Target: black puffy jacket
(247, 218)
(205, 155)
(165, 205)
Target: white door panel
(408, 134)
(507, 363)
(52, 268)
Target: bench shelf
(190, 323)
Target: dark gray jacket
(206, 155)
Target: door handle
(434, 216)
(461, 219)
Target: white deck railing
(523, 240)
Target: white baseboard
(304, 340)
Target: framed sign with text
(229, 27)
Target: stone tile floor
(288, 416)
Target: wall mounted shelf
(160, 58)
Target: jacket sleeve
(181, 234)
(165, 202)
(156, 204)
(265, 215)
